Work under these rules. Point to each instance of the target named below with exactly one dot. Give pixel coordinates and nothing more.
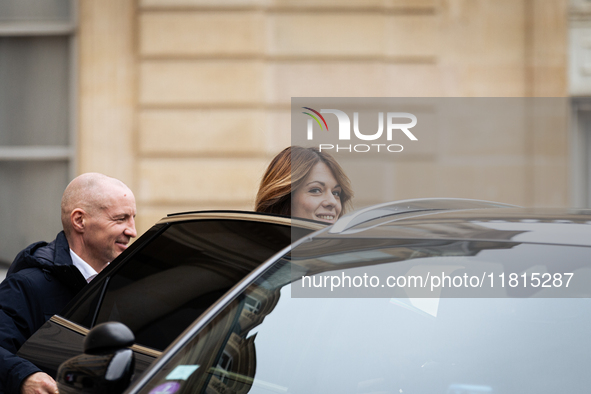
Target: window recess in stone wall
(37, 118)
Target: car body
(164, 281)
(526, 330)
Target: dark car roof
(525, 225)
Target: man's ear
(78, 219)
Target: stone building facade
(188, 100)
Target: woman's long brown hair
(287, 171)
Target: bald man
(97, 215)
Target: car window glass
(84, 309)
(162, 288)
(266, 341)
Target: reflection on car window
(166, 285)
(267, 342)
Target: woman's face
(318, 197)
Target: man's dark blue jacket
(39, 283)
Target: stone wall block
(201, 82)
(172, 4)
(326, 79)
(550, 183)
(484, 32)
(412, 35)
(412, 80)
(484, 127)
(475, 80)
(194, 132)
(201, 33)
(501, 180)
(277, 131)
(414, 4)
(192, 181)
(549, 62)
(372, 181)
(416, 179)
(407, 5)
(325, 35)
(106, 99)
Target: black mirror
(105, 367)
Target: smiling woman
(305, 183)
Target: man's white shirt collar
(86, 270)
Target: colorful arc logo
(315, 118)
